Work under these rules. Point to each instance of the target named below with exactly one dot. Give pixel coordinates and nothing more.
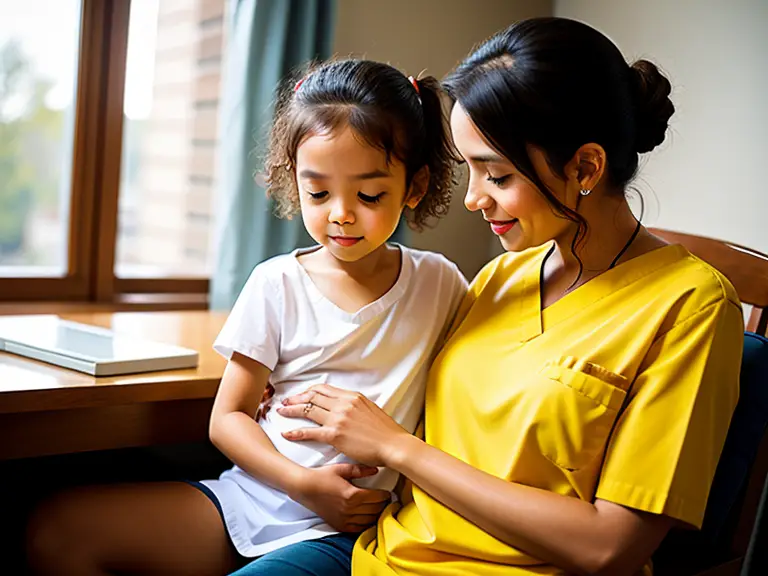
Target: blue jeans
(329, 556)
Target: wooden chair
(740, 540)
(747, 270)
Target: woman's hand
(329, 494)
(349, 422)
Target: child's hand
(329, 494)
(266, 402)
(349, 422)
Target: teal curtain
(267, 40)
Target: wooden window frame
(95, 185)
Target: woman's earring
(585, 192)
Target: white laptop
(95, 351)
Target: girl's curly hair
(402, 117)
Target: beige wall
(709, 176)
(433, 35)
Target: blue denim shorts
(328, 556)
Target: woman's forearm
(240, 438)
(576, 535)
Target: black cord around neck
(626, 246)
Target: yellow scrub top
(622, 390)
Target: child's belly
(316, 454)
(312, 454)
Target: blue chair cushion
(748, 426)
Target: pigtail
(438, 156)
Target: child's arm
(234, 431)
(326, 490)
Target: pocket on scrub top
(582, 403)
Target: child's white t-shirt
(383, 351)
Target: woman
(578, 409)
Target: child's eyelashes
(498, 181)
(370, 199)
(367, 198)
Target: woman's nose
(475, 199)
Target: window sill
(122, 303)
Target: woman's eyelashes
(318, 195)
(498, 181)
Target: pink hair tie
(298, 85)
(415, 83)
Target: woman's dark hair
(558, 84)
(384, 108)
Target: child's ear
(418, 188)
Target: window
(108, 141)
(169, 139)
(38, 73)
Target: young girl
(354, 145)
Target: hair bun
(653, 108)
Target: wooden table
(48, 410)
